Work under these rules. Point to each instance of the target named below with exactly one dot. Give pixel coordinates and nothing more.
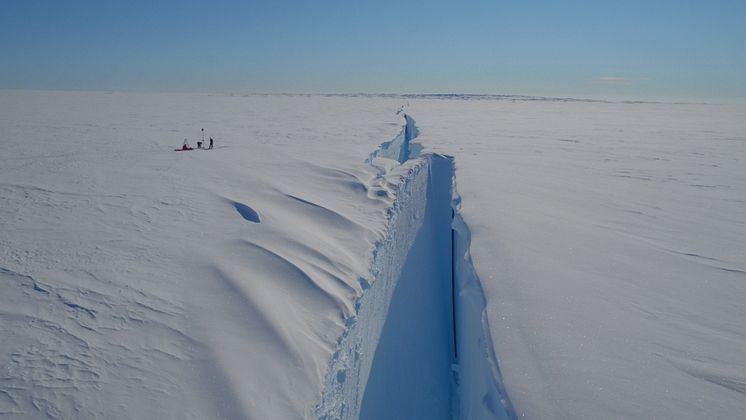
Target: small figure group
(186, 146)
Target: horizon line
(420, 95)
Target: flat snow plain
(139, 282)
(610, 240)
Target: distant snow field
(372, 257)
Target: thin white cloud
(620, 80)
(614, 79)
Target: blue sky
(655, 49)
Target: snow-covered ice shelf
(524, 257)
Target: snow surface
(138, 282)
(610, 240)
(606, 241)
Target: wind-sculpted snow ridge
(418, 345)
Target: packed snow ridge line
(419, 344)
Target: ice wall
(411, 375)
(348, 372)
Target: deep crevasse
(419, 345)
(411, 375)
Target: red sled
(184, 149)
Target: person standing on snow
(210, 143)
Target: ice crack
(418, 345)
